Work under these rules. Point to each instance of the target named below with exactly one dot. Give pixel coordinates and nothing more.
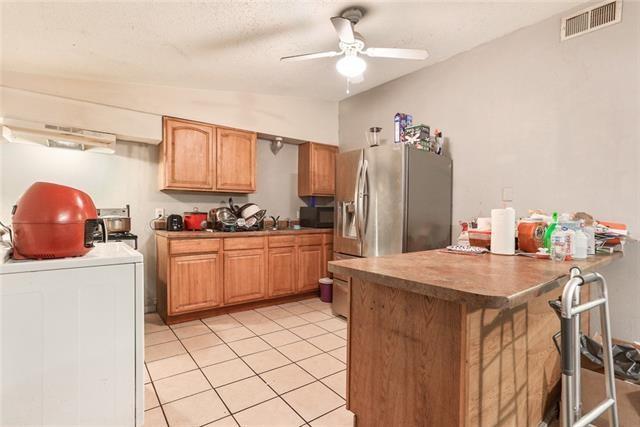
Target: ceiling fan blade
(389, 52)
(307, 56)
(344, 28)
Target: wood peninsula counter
(439, 339)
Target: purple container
(326, 289)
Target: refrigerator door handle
(356, 201)
(360, 201)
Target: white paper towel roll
(503, 231)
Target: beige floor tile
(341, 417)
(185, 324)
(299, 350)
(291, 321)
(248, 346)
(249, 316)
(265, 327)
(195, 410)
(276, 339)
(170, 366)
(192, 331)
(154, 326)
(313, 400)
(276, 313)
(287, 378)
(299, 309)
(319, 305)
(267, 308)
(337, 382)
(220, 323)
(225, 422)
(154, 418)
(153, 318)
(266, 360)
(332, 325)
(273, 412)
(162, 351)
(147, 378)
(340, 354)
(211, 355)
(235, 334)
(181, 385)
(245, 393)
(315, 316)
(201, 341)
(310, 300)
(341, 334)
(290, 304)
(307, 331)
(161, 337)
(227, 372)
(328, 311)
(327, 342)
(150, 398)
(322, 365)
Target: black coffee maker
(174, 223)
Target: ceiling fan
(352, 45)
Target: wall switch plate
(507, 194)
(158, 213)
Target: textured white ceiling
(237, 45)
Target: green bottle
(549, 232)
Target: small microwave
(316, 217)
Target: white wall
(557, 122)
(131, 177)
(298, 118)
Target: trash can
(326, 286)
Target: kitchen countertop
(491, 281)
(220, 234)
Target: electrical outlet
(507, 194)
(158, 212)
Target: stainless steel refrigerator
(390, 199)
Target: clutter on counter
(559, 237)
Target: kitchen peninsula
(441, 339)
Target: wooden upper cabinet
(245, 274)
(317, 169)
(236, 161)
(201, 157)
(188, 155)
(196, 282)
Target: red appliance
(53, 221)
(193, 221)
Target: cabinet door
(309, 267)
(244, 275)
(282, 271)
(328, 256)
(236, 161)
(188, 155)
(195, 283)
(323, 169)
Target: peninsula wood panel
(317, 169)
(403, 354)
(244, 275)
(188, 155)
(282, 271)
(196, 282)
(235, 161)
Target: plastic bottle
(580, 244)
(550, 229)
(590, 231)
(558, 242)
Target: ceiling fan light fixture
(351, 66)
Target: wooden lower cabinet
(244, 275)
(196, 282)
(310, 266)
(282, 271)
(200, 275)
